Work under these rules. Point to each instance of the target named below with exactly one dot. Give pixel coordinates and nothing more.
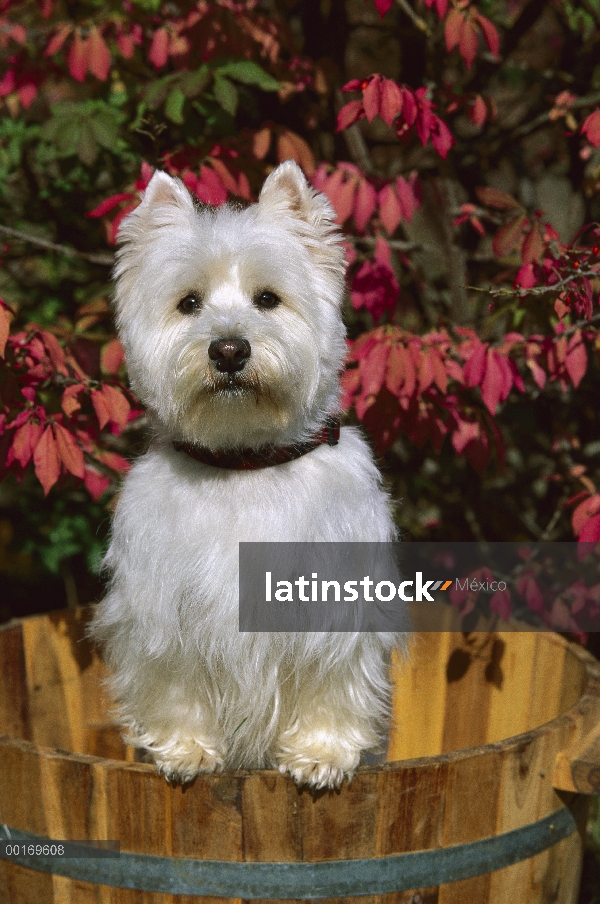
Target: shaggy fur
(191, 689)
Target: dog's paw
(182, 761)
(318, 763)
(317, 775)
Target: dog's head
(230, 318)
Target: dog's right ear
(165, 201)
(165, 191)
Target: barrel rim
(589, 697)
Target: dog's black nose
(229, 355)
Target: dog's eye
(266, 299)
(190, 304)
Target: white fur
(191, 689)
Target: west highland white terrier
(230, 319)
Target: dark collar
(253, 459)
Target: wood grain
(480, 722)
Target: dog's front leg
(336, 717)
(172, 721)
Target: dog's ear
(166, 200)
(286, 193)
(165, 191)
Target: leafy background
(459, 143)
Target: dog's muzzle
(229, 355)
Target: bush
(459, 144)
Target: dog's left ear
(287, 193)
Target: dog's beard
(222, 410)
(234, 385)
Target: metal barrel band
(219, 878)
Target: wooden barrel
(496, 742)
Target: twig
(395, 244)
(106, 260)
(547, 533)
(540, 120)
(534, 290)
(419, 23)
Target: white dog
(231, 323)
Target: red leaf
(98, 55)
(529, 588)
(224, 175)
(100, 407)
(576, 359)
(508, 236)
(500, 604)
(95, 483)
(159, 49)
(391, 101)
(345, 200)
(493, 197)
(69, 402)
(400, 377)
(453, 28)
(383, 252)
(58, 39)
(291, 145)
(112, 357)
(55, 352)
(465, 433)
(533, 246)
(526, 277)
(116, 405)
(590, 532)
(492, 384)
(210, 189)
(591, 128)
(372, 98)
(373, 369)
(409, 203)
(46, 460)
(27, 93)
(77, 59)
(469, 42)
(68, 451)
(390, 209)
(584, 511)
(24, 442)
(491, 36)
(409, 107)
(4, 328)
(364, 204)
(426, 370)
(383, 6)
(109, 204)
(126, 45)
(349, 114)
(478, 111)
(474, 369)
(441, 137)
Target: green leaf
(66, 139)
(106, 129)
(193, 83)
(174, 106)
(87, 147)
(250, 74)
(226, 94)
(156, 91)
